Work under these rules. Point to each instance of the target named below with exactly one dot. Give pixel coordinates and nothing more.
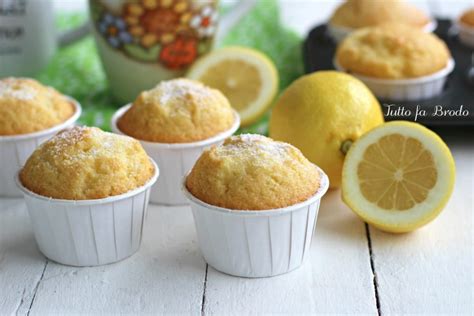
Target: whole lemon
(322, 114)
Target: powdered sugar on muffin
(253, 172)
(27, 106)
(177, 111)
(86, 163)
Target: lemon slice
(245, 76)
(398, 176)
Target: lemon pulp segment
(239, 81)
(397, 172)
(398, 176)
(247, 77)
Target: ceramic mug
(142, 42)
(28, 38)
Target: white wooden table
(352, 268)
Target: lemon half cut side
(247, 77)
(398, 176)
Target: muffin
(467, 18)
(255, 202)
(356, 14)
(177, 111)
(392, 51)
(175, 122)
(30, 114)
(397, 62)
(465, 25)
(26, 106)
(253, 172)
(85, 163)
(87, 193)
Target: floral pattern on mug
(156, 22)
(205, 22)
(179, 53)
(170, 32)
(114, 29)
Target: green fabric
(76, 69)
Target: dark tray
(319, 49)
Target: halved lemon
(245, 76)
(398, 176)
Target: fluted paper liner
(413, 89)
(16, 149)
(256, 243)
(89, 232)
(175, 160)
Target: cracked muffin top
(27, 106)
(361, 13)
(84, 163)
(253, 172)
(177, 111)
(392, 51)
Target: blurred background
(277, 28)
(309, 12)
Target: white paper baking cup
(414, 89)
(89, 232)
(256, 244)
(175, 160)
(338, 33)
(16, 149)
(466, 34)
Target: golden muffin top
(362, 13)
(392, 51)
(467, 18)
(85, 163)
(253, 172)
(27, 106)
(177, 111)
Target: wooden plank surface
(21, 264)
(430, 271)
(166, 275)
(336, 278)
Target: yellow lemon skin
(319, 112)
(431, 208)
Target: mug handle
(233, 16)
(70, 36)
